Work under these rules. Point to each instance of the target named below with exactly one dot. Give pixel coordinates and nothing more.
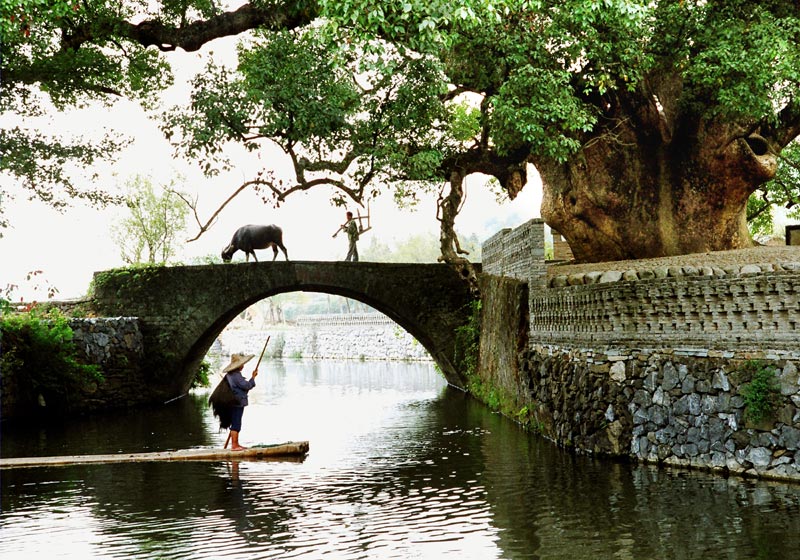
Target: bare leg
(235, 442)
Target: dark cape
(222, 401)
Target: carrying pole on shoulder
(360, 218)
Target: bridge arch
(182, 309)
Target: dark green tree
(650, 123)
(56, 55)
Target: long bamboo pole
(262, 352)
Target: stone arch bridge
(182, 309)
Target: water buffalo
(251, 237)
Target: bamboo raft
(291, 450)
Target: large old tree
(692, 105)
(651, 123)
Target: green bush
(468, 341)
(762, 394)
(201, 377)
(37, 350)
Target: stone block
(610, 276)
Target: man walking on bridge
(350, 227)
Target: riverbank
(653, 360)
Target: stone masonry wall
(754, 310)
(517, 253)
(651, 365)
(666, 406)
(370, 336)
(114, 344)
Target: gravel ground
(755, 255)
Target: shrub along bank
(40, 364)
(53, 365)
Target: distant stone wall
(347, 337)
(343, 320)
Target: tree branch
(788, 127)
(193, 36)
(279, 193)
(205, 227)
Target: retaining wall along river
(650, 365)
(647, 364)
(113, 343)
(353, 336)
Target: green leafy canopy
(345, 110)
(368, 91)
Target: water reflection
(180, 424)
(400, 467)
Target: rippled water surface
(400, 467)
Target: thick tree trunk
(449, 206)
(638, 193)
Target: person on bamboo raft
(240, 387)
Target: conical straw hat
(237, 361)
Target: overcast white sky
(68, 248)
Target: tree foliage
(360, 93)
(543, 82)
(157, 217)
(417, 248)
(782, 192)
(349, 114)
(57, 55)
(39, 349)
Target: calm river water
(400, 466)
